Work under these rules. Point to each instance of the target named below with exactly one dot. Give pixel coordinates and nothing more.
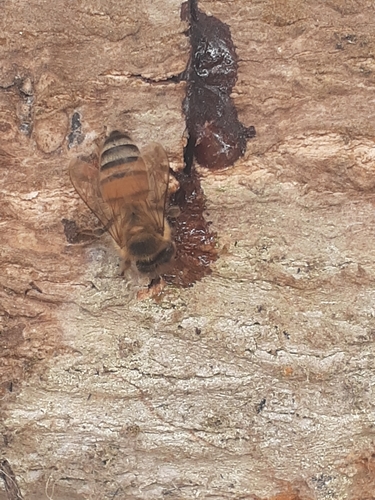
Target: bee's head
(151, 249)
(158, 262)
(144, 245)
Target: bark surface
(258, 381)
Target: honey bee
(127, 190)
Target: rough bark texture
(258, 382)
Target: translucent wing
(157, 165)
(84, 177)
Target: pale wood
(258, 381)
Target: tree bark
(256, 382)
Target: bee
(127, 190)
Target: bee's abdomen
(123, 172)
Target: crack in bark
(153, 81)
(11, 486)
(170, 79)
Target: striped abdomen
(123, 173)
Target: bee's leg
(124, 266)
(125, 261)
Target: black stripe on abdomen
(119, 151)
(125, 173)
(118, 161)
(116, 134)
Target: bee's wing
(157, 166)
(84, 177)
